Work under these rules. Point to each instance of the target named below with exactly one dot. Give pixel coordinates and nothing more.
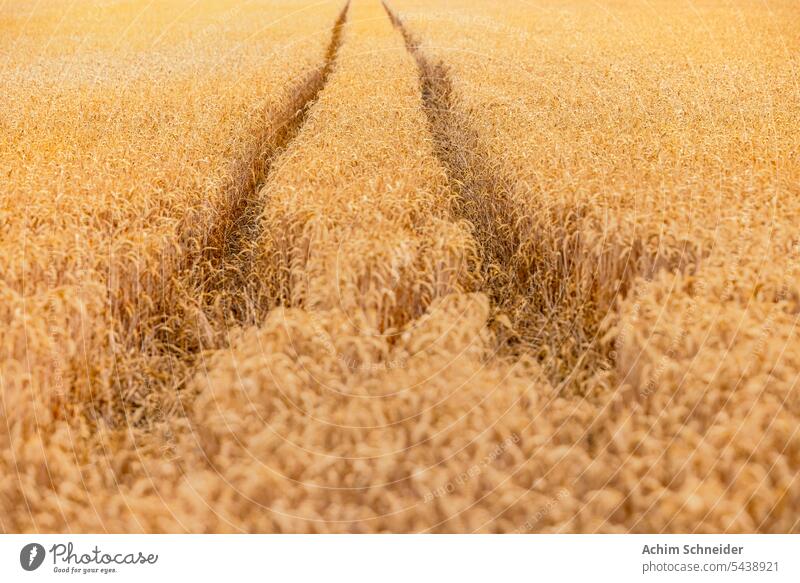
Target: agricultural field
(414, 266)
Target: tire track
(483, 198)
(218, 288)
(230, 278)
(529, 265)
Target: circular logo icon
(31, 556)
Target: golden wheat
(613, 144)
(120, 178)
(308, 267)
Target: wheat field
(417, 266)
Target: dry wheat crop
(131, 138)
(295, 266)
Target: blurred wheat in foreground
(299, 266)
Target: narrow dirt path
(220, 289)
(526, 277)
(480, 198)
(231, 281)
